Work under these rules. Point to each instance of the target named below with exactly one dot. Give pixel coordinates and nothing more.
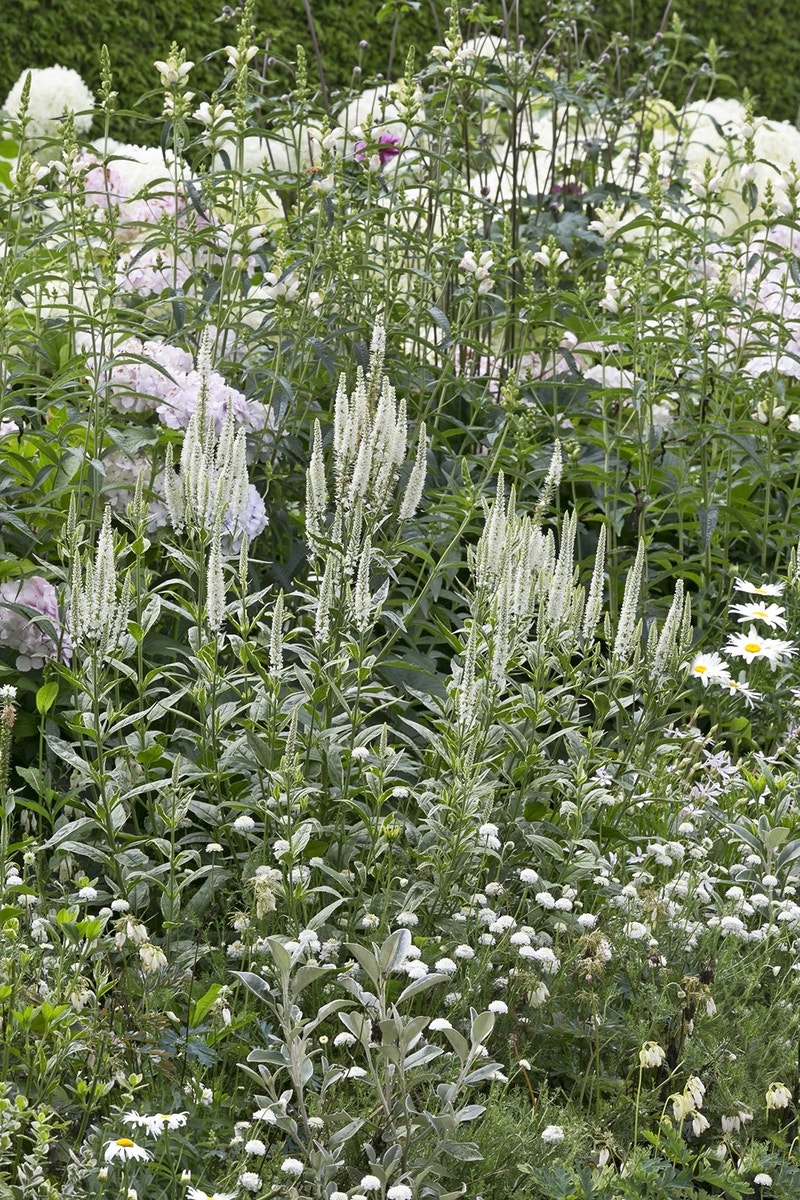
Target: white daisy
(771, 613)
(748, 645)
(709, 668)
(194, 1193)
(124, 1149)
(749, 695)
(777, 650)
(759, 589)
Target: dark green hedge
(763, 40)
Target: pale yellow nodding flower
(651, 1055)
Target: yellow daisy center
(701, 669)
(753, 647)
(759, 612)
(124, 1142)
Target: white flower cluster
(53, 91)
(713, 670)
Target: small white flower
(400, 1191)
(700, 1124)
(153, 959)
(87, 893)
(360, 753)
(651, 1055)
(498, 1006)
(292, 1166)
(250, 1181)
(763, 1179)
(244, 823)
(552, 1134)
(439, 1023)
(778, 1096)
(371, 1183)
(408, 919)
(466, 952)
(255, 1146)
(446, 966)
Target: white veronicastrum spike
(215, 582)
(96, 615)
(491, 545)
(468, 688)
(342, 449)
(377, 353)
(416, 480)
(276, 638)
(594, 601)
(214, 480)
(626, 625)
(502, 620)
(560, 596)
(316, 489)
(552, 481)
(322, 615)
(667, 650)
(362, 596)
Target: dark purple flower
(386, 145)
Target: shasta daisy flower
(709, 668)
(741, 689)
(194, 1193)
(771, 613)
(759, 589)
(777, 650)
(124, 1149)
(748, 645)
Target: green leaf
(46, 696)
(202, 1006)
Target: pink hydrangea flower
(32, 626)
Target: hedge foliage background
(763, 41)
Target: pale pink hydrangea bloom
(24, 631)
(122, 473)
(151, 271)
